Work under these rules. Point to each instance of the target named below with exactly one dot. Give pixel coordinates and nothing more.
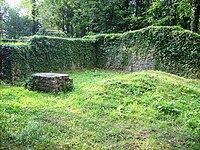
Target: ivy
(172, 49)
(13, 63)
(169, 49)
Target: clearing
(106, 110)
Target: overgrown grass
(106, 110)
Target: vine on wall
(170, 49)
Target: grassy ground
(106, 110)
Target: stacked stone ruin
(51, 82)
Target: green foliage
(106, 48)
(58, 54)
(169, 108)
(14, 62)
(106, 110)
(29, 83)
(170, 49)
(57, 33)
(79, 18)
(14, 25)
(45, 54)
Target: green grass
(14, 43)
(106, 110)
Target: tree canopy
(77, 18)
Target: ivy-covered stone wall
(45, 54)
(170, 49)
(14, 63)
(48, 54)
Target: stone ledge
(50, 75)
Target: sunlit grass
(106, 110)
(14, 43)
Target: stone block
(50, 82)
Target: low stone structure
(50, 82)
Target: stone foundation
(51, 82)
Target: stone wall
(169, 49)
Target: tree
(184, 13)
(162, 13)
(1, 18)
(32, 7)
(57, 14)
(196, 13)
(34, 15)
(15, 25)
(77, 18)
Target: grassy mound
(106, 110)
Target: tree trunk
(72, 30)
(63, 23)
(174, 20)
(126, 7)
(195, 21)
(126, 4)
(173, 6)
(186, 23)
(2, 11)
(67, 28)
(1, 18)
(136, 7)
(34, 28)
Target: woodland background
(77, 18)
